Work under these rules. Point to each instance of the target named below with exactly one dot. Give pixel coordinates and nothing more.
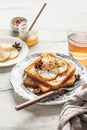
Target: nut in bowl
(16, 21)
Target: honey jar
(29, 37)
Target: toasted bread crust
(28, 82)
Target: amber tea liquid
(77, 43)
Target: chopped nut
(37, 90)
(18, 21)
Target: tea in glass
(77, 43)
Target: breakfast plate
(22, 53)
(27, 93)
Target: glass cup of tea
(77, 44)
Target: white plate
(22, 54)
(18, 73)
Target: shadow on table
(5, 69)
(37, 109)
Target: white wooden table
(54, 23)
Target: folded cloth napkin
(74, 113)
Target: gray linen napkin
(74, 113)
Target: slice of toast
(69, 82)
(28, 82)
(47, 63)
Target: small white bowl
(15, 22)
